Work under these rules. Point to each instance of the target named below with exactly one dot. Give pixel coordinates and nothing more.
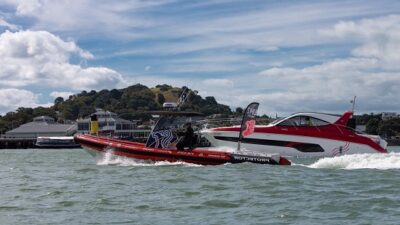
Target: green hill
(129, 103)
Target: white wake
(360, 161)
(220, 148)
(111, 159)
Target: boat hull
(99, 146)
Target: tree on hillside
(85, 111)
(211, 100)
(130, 103)
(239, 110)
(24, 114)
(83, 93)
(71, 111)
(372, 126)
(58, 100)
(114, 93)
(164, 87)
(363, 119)
(389, 128)
(139, 97)
(160, 98)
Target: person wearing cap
(186, 138)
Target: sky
(289, 56)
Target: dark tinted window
(303, 121)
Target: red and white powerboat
(302, 134)
(160, 145)
(98, 146)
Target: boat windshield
(165, 131)
(277, 121)
(174, 122)
(301, 121)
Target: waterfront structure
(56, 142)
(389, 115)
(41, 126)
(111, 125)
(25, 135)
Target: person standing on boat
(186, 138)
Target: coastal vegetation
(131, 103)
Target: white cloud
(245, 38)
(27, 7)
(380, 38)
(267, 27)
(372, 73)
(63, 94)
(41, 58)
(326, 87)
(12, 98)
(264, 27)
(10, 26)
(219, 83)
(235, 31)
(86, 17)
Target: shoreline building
(389, 115)
(111, 125)
(41, 126)
(25, 136)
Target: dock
(17, 143)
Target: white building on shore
(389, 115)
(110, 124)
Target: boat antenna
(353, 102)
(248, 122)
(184, 97)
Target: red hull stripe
(154, 156)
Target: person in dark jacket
(186, 138)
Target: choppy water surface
(71, 187)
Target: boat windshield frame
(313, 124)
(169, 123)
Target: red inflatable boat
(101, 145)
(164, 135)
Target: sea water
(71, 187)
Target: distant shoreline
(393, 142)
